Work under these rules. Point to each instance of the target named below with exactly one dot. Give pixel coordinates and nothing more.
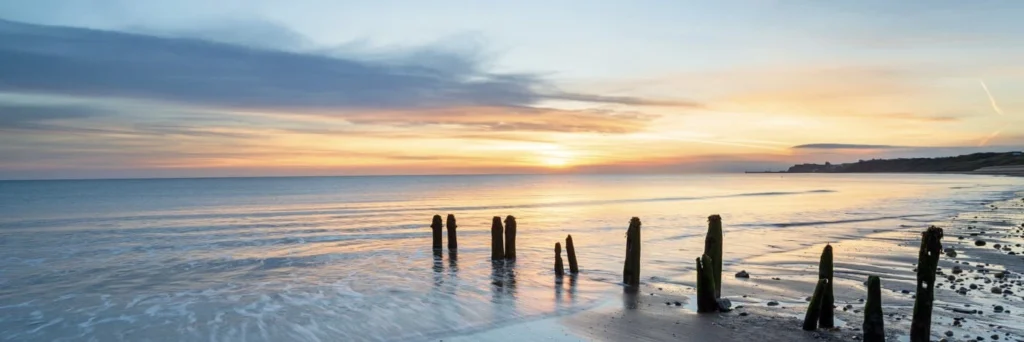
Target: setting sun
(555, 162)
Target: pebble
(742, 274)
(979, 242)
(724, 305)
(773, 303)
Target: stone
(979, 242)
(724, 305)
(742, 274)
(773, 303)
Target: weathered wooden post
(826, 319)
(814, 309)
(874, 321)
(436, 226)
(559, 269)
(510, 237)
(453, 242)
(713, 249)
(927, 262)
(497, 246)
(631, 268)
(571, 250)
(706, 301)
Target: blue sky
(108, 88)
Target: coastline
(995, 171)
(666, 311)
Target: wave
(831, 222)
(251, 213)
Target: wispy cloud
(834, 146)
(19, 116)
(509, 119)
(988, 138)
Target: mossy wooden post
(814, 309)
(631, 268)
(571, 250)
(510, 237)
(706, 300)
(436, 227)
(927, 262)
(713, 249)
(453, 242)
(497, 246)
(874, 321)
(826, 318)
(559, 269)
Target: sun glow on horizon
(555, 156)
(555, 162)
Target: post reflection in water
(503, 285)
(572, 288)
(630, 299)
(558, 293)
(453, 263)
(438, 268)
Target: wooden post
(713, 249)
(706, 301)
(927, 262)
(453, 242)
(874, 320)
(826, 319)
(510, 237)
(814, 309)
(631, 268)
(497, 246)
(559, 269)
(436, 226)
(571, 250)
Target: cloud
(244, 32)
(47, 59)
(85, 62)
(510, 119)
(18, 116)
(833, 146)
(626, 100)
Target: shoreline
(663, 310)
(1009, 173)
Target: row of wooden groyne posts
(820, 311)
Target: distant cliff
(964, 163)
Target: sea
(350, 258)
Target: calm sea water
(349, 258)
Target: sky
(198, 88)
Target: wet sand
(983, 299)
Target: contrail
(991, 99)
(988, 138)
